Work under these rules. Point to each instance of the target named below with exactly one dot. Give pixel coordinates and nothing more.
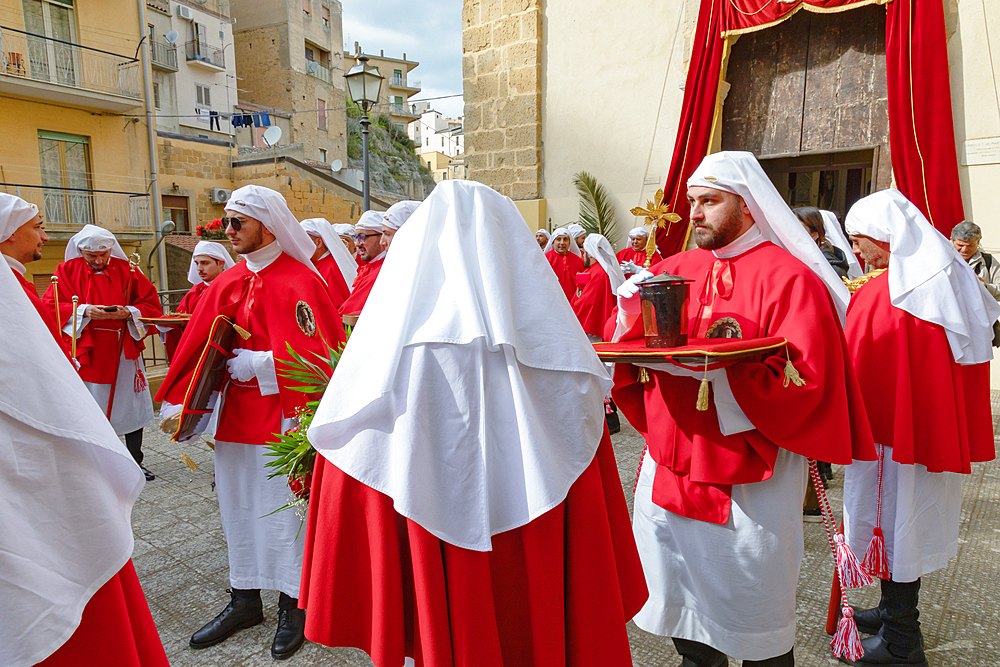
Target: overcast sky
(428, 31)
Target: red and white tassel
(846, 642)
(139, 381)
(876, 562)
(852, 575)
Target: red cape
(638, 257)
(97, 347)
(557, 591)
(266, 304)
(116, 629)
(596, 301)
(566, 267)
(327, 267)
(43, 312)
(929, 409)
(187, 305)
(773, 294)
(363, 283)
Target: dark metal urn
(664, 310)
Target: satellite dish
(171, 37)
(272, 135)
(336, 166)
(312, 67)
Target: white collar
(16, 265)
(263, 257)
(751, 238)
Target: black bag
(988, 264)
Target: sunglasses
(362, 237)
(236, 223)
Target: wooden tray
(179, 319)
(716, 351)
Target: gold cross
(658, 216)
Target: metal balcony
(163, 56)
(324, 74)
(69, 209)
(205, 55)
(42, 67)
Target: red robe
(190, 301)
(116, 629)
(363, 283)
(638, 257)
(98, 345)
(43, 312)
(266, 305)
(328, 268)
(566, 267)
(929, 409)
(557, 591)
(596, 301)
(772, 294)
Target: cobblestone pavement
(180, 556)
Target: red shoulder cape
(282, 285)
(363, 283)
(566, 267)
(557, 591)
(97, 347)
(928, 408)
(339, 291)
(773, 294)
(594, 304)
(191, 299)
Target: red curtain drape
(921, 135)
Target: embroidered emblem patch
(725, 327)
(305, 318)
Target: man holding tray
(279, 304)
(718, 507)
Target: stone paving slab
(180, 557)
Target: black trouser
(133, 442)
(696, 654)
(900, 618)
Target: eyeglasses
(235, 222)
(361, 237)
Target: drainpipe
(161, 254)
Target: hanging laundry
(247, 120)
(256, 120)
(237, 121)
(265, 120)
(213, 121)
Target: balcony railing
(68, 209)
(324, 74)
(163, 56)
(402, 110)
(399, 81)
(41, 58)
(200, 52)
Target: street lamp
(364, 84)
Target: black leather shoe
(877, 654)
(867, 620)
(290, 634)
(243, 611)
(149, 476)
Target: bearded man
(718, 506)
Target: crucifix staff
(658, 216)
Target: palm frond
(597, 213)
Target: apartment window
(321, 109)
(49, 60)
(401, 128)
(202, 95)
(156, 96)
(65, 165)
(398, 102)
(322, 155)
(306, 8)
(397, 77)
(326, 16)
(310, 55)
(175, 209)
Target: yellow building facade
(78, 144)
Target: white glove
(630, 267)
(628, 293)
(244, 365)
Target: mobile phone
(110, 309)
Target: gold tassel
(702, 404)
(244, 334)
(643, 375)
(188, 462)
(791, 373)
